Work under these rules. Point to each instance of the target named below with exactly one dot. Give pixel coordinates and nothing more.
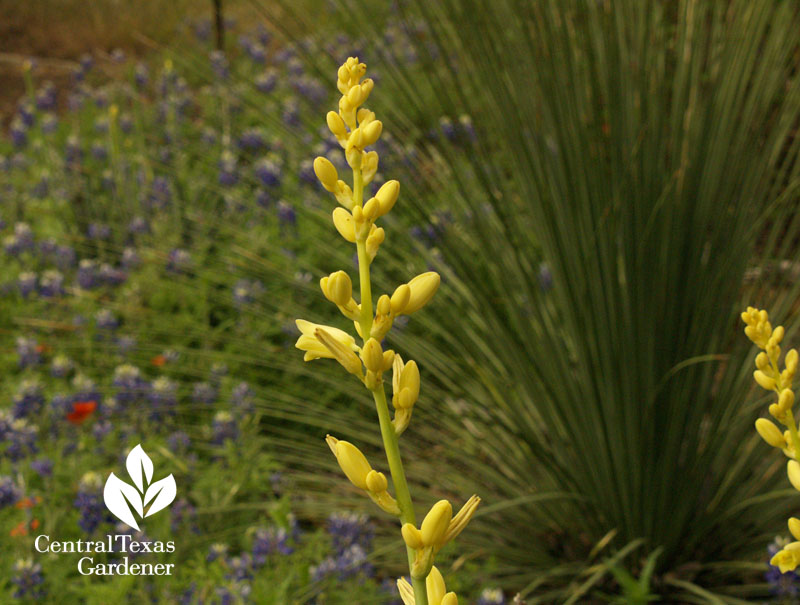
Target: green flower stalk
(356, 128)
(769, 376)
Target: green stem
(390, 444)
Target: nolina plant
(769, 376)
(356, 128)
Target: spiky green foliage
(647, 151)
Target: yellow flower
(313, 347)
(787, 559)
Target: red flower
(81, 410)
(158, 360)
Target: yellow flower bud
(365, 116)
(794, 527)
(793, 470)
(434, 585)
(376, 482)
(777, 334)
(344, 355)
(770, 433)
(387, 195)
(764, 381)
(344, 195)
(371, 133)
(336, 126)
(388, 359)
(353, 463)
(372, 355)
(343, 221)
(400, 299)
(372, 209)
(791, 360)
(411, 536)
(355, 96)
(369, 166)
(340, 288)
(374, 240)
(409, 379)
(449, 599)
(384, 305)
(434, 525)
(786, 400)
(775, 410)
(762, 361)
(326, 173)
(423, 287)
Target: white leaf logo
(123, 499)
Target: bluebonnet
(266, 81)
(351, 537)
(138, 225)
(178, 442)
(87, 276)
(9, 492)
(19, 133)
(219, 64)
(28, 578)
(240, 567)
(242, 397)
(101, 428)
(129, 383)
(253, 139)
(42, 466)
(545, 277)
(234, 593)
(163, 395)
(106, 320)
(111, 275)
(179, 260)
(245, 291)
(18, 436)
(203, 392)
(182, 512)
(28, 352)
(130, 258)
(51, 284)
(27, 283)
(228, 173)
(101, 124)
(270, 541)
(223, 428)
(99, 151)
(291, 112)
(49, 123)
(216, 551)
(491, 596)
(160, 192)
(61, 366)
(126, 344)
(21, 241)
(269, 171)
(286, 214)
(29, 398)
(89, 503)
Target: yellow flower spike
(436, 522)
(372, 355)
(353, 462)
(423, 287)
(313, 347)
(412, 536)
(340, 352)
(461, 520)
(400, 299)
(793, 470)
(345, 225)
(770, 433)
(764, 381)
(377, 482)
(339, 288)
(374, 240)
(371, 132)
(435, 587)
(326, 173)
(337, 127)
(794, 527)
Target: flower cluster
(769, 376)
(356, 128)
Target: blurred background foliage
(603, 187)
